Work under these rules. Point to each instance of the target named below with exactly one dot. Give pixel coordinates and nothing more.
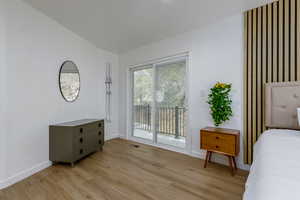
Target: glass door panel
(170, 103)
(142, 103)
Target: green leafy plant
(220, 103)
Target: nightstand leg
(206, 159)
(234, 163)
(230, 164)
(209, 157)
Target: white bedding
(275, 172)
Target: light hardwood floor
(124, 172)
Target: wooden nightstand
(222, 141)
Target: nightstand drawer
(219, 142)
(219, 147)
(216, 138)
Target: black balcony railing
(169, 120)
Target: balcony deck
(161, 138)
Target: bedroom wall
(36, 47)
(216, 54)
(2, 91)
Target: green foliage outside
(143, 86)
(170, 85)
(220, 103)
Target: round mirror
(69, 81)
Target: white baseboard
(123, 137)
(24, 174)
(39, 167)
(112, 136)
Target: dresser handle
(81, 151)
(217, 137)
(99, 125)
(100, 142)
(81, 140)
(99, 133)
(217, 146)
(81, 130)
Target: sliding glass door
(142, 102)
(159, 102)
(170, 103)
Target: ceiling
(122, 25)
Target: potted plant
(220, 103)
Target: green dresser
(72, 141)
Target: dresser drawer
(80, 153)
(96, 125)
(100, 133)
(81, 130)
(223, 143)
(100, 124)
(100, 142)
(80, 141)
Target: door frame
(130, 82)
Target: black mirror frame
(59, 83)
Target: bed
(275, 172)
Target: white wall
(2, 91)
(36, 46)
(216, 54)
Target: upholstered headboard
(282, 101)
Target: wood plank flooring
(124, 172)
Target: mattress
(275, 172)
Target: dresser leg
(206, 159)
(72, 164)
